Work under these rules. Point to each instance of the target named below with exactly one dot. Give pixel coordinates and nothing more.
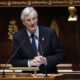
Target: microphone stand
(45, 70)
(45, 64)
(3, 73)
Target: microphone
(41, 51)
(3, 74)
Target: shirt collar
(36, 33)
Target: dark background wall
(69, 32)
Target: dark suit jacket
(50, 44)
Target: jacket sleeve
(16, 51)
(57, 51)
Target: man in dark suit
(48, 50)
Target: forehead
(31, 15)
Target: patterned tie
(34, 44)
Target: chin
(32, 30)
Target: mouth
(32, 26)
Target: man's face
(30, 22)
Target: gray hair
(26, 11)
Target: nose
(32, 21)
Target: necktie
(34, 44)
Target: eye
(28, 20)
(34, 18)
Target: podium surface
(33, 77)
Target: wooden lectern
(15, 73)
(68, 72)
(9, 70)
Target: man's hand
(37, 61)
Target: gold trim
(12, 28)
(39, 3)
(54, 26)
